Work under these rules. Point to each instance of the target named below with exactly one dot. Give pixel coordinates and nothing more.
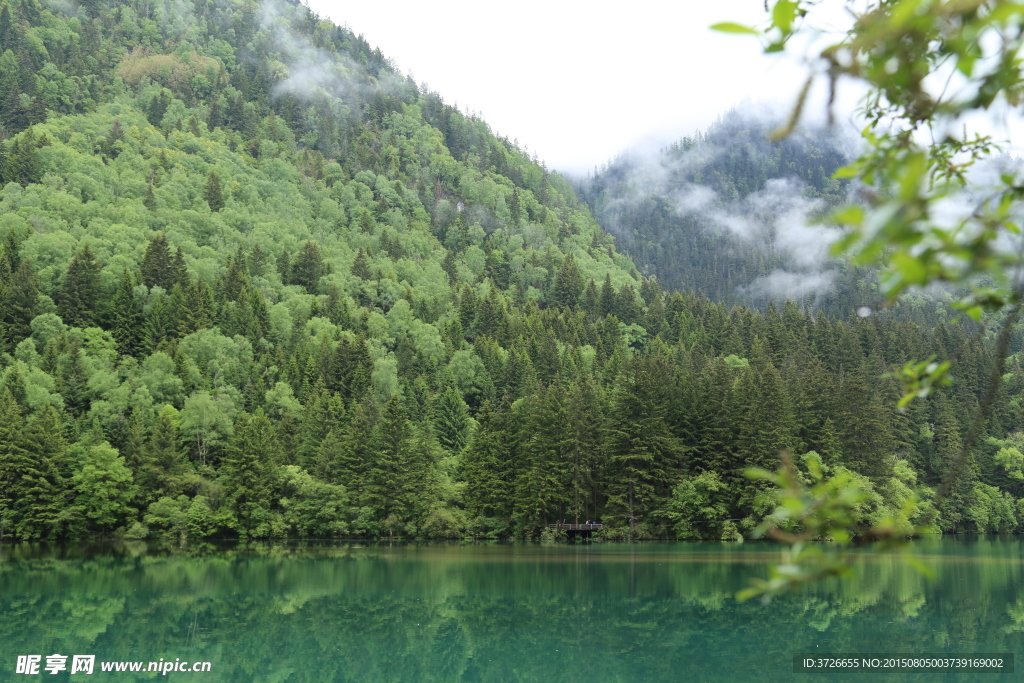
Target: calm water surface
(479, 612)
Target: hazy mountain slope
(725, 213)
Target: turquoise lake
(496, 612)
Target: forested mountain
(255, 283)
(725, 213)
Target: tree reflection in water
(502, 612)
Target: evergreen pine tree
(79, 295)
(284, 266)
(828, 446)
(195, 311)
(4, 156)
(14, 382)
(547, 361)
(72, 380)
(366, 222)
(258, 323)
(449, 266)
(764, 425)
(41, 492)
(22, 300)
(516, 208)
(467, 309)
(157, 265)
(322, 414)
(157, 108)
(179, 271)
(149, 201)
(392, 478)
(606, 304)
(543, 475)
(212, 192)
(866, 439)
(127, 319)
(948, 469)
(110, 146)
(234, 283)
(336, 309)
(14, 462)
(12, 114)
(250, 473)
(134, 446)
(451, 420)
(361, 266)
(491, 319)
(642, 454)
(626, 307)
(92, 8)
(591, 299)
(308, 267)
(213, 118)
(256, 261)
(583, 420)
(487, 467)
(162, 463)
(161, 323)
(22, 160)
(356, 450)
(328, 458)
(520, 378)
(568, 284)
(7, 41)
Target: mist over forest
(731, 214)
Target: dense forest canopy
(256, 283)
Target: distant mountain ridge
(716, 213)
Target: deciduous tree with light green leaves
(102, 483)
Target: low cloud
(781, 285)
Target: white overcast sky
(578, 82)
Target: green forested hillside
(254, 282)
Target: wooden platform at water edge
(577, 529)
